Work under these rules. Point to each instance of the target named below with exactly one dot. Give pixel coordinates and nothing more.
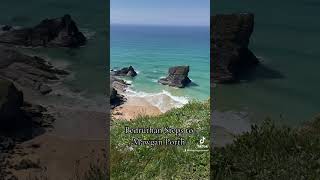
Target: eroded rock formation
(28, 71)
(230, 56)
(59, 32)
(177, 77)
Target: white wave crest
(127, 81)
(164, 100)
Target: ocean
(151, 50)
(285, 85)
(88, 63)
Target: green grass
(130, 161)
(270, 152)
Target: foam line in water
(163, 100)
(127, 81)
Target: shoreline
(127, 104)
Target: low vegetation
(270, 152)
(130, 161)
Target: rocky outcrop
(127, 71)
(230, 55)
(59, 32)
(116, 85)
(115, 98)
(11, 101)
(177, 77)
(15, 114)
(30, 72)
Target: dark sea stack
(59, 32)
(230, 56)
(30, 72)
(127, 71)
(177, 77)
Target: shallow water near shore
(284, 86)
(151, 50)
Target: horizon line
(181, 25)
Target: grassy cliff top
(130, 161)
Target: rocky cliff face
(28, 71)
(177, 77)
(59, 32)
(230, 35)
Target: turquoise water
(285, 86)
(151, 50)
(87, 63)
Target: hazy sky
(160, 12)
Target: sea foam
(164, 100)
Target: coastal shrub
(270, 152)
(162, 162)
(96, 173)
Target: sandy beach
(76, 140)
(133, 108)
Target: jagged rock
(115, 98)
(27, 164)
(127, 71)
(44, 89)
(230, 56)
(178, 77)
(27, 71)
(31, 110)
(59, 32)
(6, 28)
(117, 85)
